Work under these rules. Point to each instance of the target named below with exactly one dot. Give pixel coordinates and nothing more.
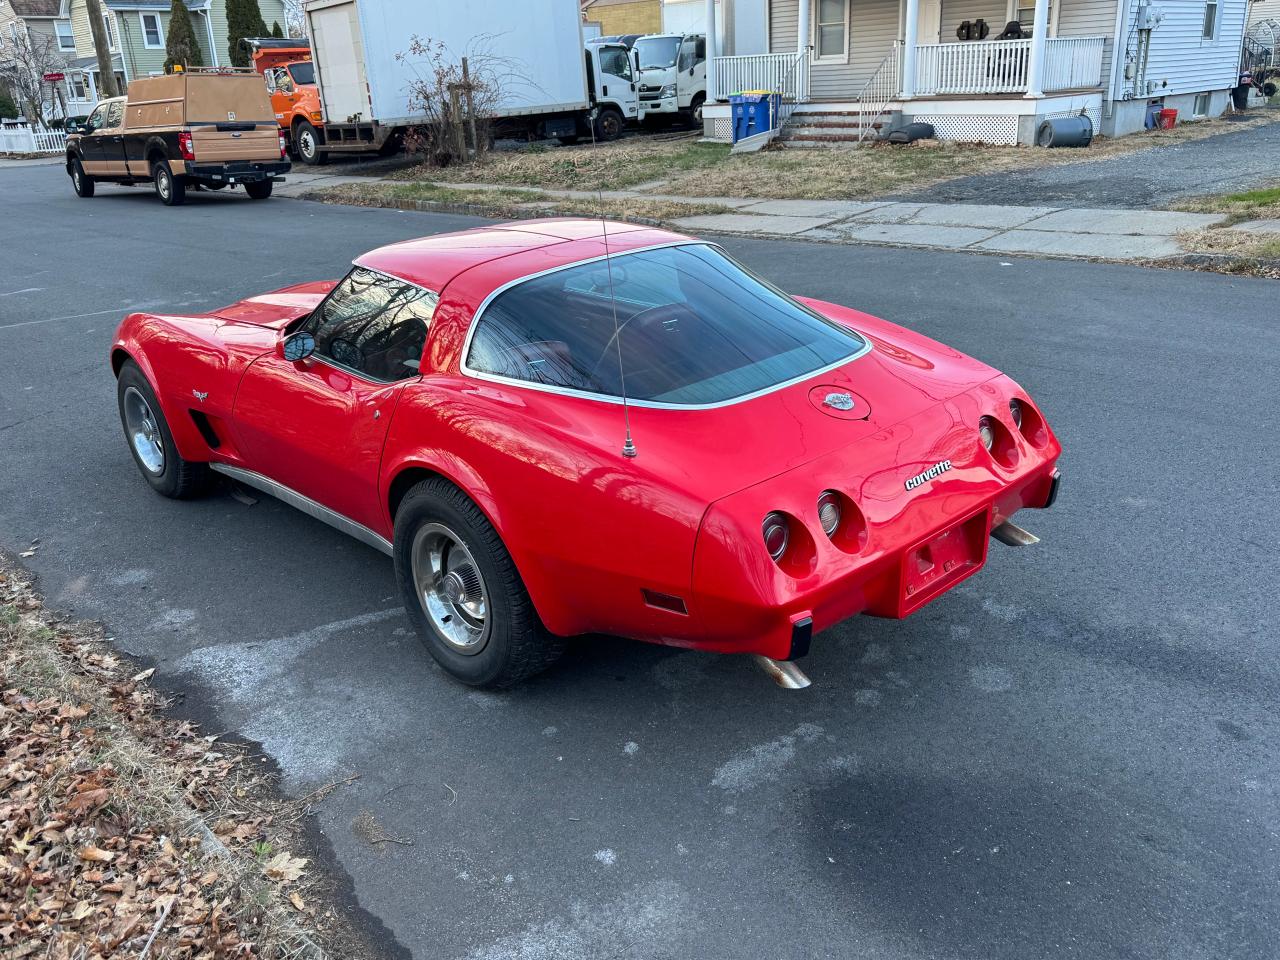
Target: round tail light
(1015, 411)
(829, 512)
(776, 535)
(987, 431)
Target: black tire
(1268, 87)
(306, 141)
(81, 182)
(513, 644)
(258, 190)
(609, 124)
(695, 111)
(171, 189)
(176, 478)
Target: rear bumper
(906, 549)
(239, 171)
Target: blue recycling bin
(754, 111)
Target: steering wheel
(645, 318)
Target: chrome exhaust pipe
(1013, 535)
(785, 673)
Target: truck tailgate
(212, 145)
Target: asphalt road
(1237, 160)
(1075, 754)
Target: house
(617, 17)
(34, 41)
(978, 70)
(136, 31)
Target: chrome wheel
(307, 145)
(163, 185)
(144, 432)
(450, 588)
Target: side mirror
(298, 346)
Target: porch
(873, 68)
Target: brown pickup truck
(212, 129)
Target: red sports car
(557, 430)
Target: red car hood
(713, 453)
(279, 307)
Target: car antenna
(628, 447)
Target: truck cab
(672, 70)
(614, 93)
(290, 76)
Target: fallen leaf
(27, 553)
(95, 853)
(139, 677)
(283, 867)
(88, 799)
(297, 901)
(82, 910)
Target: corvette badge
(839, 401)
(936, 470)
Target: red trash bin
(1168, 119)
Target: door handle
(605, 88)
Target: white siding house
(978, 70)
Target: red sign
(55, 77)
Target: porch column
(712, 52)
(802, 30)
(910, 34)
(1035, 64)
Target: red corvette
(558, 432)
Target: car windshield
(692, 327)
(658, 53)
(303, 73)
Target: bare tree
(295, 21)
(101, 46)
(28, 58)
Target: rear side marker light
(776, 535)
(284, 147)
(664, 601)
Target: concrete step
(834, 133)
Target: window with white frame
(109, 28)
(1201, 106)
(66, 38)
(1210, 30)
(831, 30)
(76, 87)
(1024, 11)
(152, 37)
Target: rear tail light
(829, 512)
(184, 145)
(987, 431)
(284, 147)
(776, 535)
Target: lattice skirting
(972, 129)
(719, 128)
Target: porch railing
(1071, 63)
(23, 138)
(785, 73)
(1002, 66)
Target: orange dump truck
(291, 80)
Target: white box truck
(550, 86)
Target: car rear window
(692, 325)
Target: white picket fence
(23, 138)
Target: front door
(691, 69)
(617, 82)
(111, 141)
(929, 22)
(91, 152)
(318, 426)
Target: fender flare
(127, 346)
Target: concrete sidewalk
(1111, 234)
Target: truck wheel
(609, 123)
(463, 593)
(695, 111)
(171, 190)
(150, 441)
(81, 181)
(307, 143)
(258, 190)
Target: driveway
(1226, 163)
(1075, 754)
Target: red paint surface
(588, 529)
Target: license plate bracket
(936, 564)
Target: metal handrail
(878, 92)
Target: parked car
(672, 70)
(554, 435)
(212, 129)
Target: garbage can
(754, 111)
